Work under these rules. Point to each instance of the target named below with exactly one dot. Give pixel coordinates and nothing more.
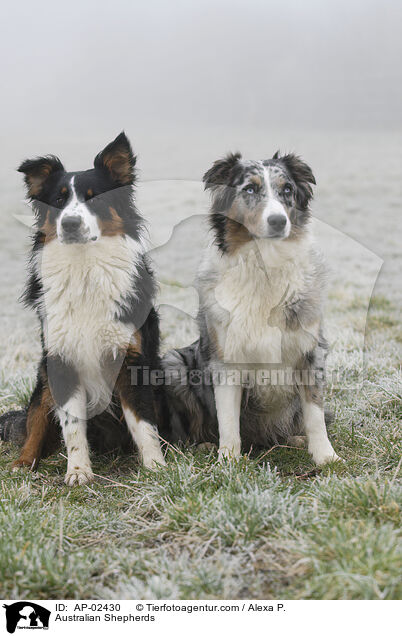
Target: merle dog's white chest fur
(83, 287)
(247, 298)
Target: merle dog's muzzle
(277, 225)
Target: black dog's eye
(251, 188)
(89, 195)
(287, 189)
(61, 197)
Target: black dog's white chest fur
(84, 289)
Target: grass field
(267, 527)
(271, 528)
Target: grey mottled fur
(272, 414)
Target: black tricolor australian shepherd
(93, 290)
(261, 345)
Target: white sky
(332, 63)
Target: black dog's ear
(118, 159)
(302, 175)
(220, 172)
(37, 171)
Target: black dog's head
(259, 199)
(78, 207)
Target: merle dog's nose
(71, 224)
(277, 222)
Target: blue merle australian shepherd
(93, 291)
(261, 351)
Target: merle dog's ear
(302, 175)
(118, 159)
(221, 170)
(37, 171)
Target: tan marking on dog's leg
(37, 424)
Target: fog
(79, 72)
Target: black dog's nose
(277, 221)
(71, 223)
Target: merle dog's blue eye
(250, 189)
(287, 189)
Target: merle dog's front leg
(312, 402)
(314, 425)
(228, 403)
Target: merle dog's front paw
(226, 453)
(153, 461)
(326, 458)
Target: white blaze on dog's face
(82, 207)
(275, 222)
(76, 223)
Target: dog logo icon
(26, 615)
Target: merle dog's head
(81, 207)
(258, 199)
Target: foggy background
(76, 73)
